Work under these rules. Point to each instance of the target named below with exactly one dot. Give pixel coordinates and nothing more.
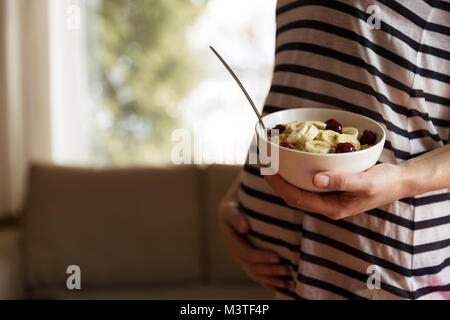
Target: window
(127, 73)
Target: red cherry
(281, 128)
(345, 147)
(368, 137)
(285, 145)
(269, 133)
(332, 124)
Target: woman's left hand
(356, 192)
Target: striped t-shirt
(398, 75)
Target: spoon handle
(240, 85)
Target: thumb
(339, 181)
(233, 217)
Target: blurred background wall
(91, 82)
(102, 85)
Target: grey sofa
(135, 234)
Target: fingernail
(243, 226)
(322, 181)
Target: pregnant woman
(384, 233)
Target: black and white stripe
(399, 76)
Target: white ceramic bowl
(298, 167)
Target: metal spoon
(240, 85)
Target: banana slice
(282, 137)
(318, 124)
(293, 125)
(351, 139)
(310, 134)
(351, 131)
(330, 136)
(317, 146)
(297, 134)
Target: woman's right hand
(262, 266)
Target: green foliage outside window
(138, 55)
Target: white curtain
(24, 115)
(43, 91)
(71, 104)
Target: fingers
(274, 282)
(289, 194)
(247, 254)
(300, 199)
(233, 225)
(270, 288)
(259, 269)
(341, 181)
(231, 215)
(269, 276)
(262, 266)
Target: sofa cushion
(132, 227)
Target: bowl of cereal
(306, 141)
